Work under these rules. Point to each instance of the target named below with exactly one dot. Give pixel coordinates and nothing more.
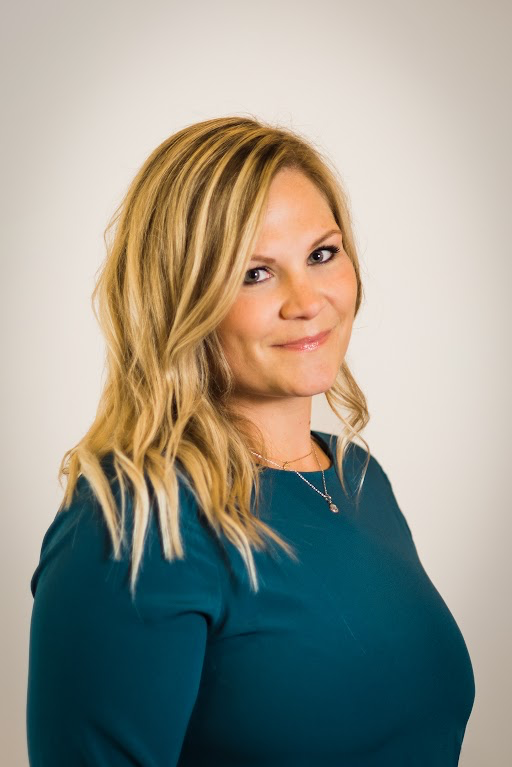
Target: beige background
(412, 102)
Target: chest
(338, 651)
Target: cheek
(243, 325)
(352, 292)
(345, 288)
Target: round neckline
(318, 472)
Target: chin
(310, 388)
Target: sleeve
(113, 681)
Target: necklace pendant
(333, 507)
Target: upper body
(348, 656)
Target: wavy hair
(178, 247)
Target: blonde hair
(182, 239)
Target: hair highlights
(178, 248)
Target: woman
(223, 585)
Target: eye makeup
(333, 249)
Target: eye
(332, 249)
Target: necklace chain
(297, 459)
(332, 505)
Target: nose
(300, 298)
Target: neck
(285, 427)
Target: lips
(307, 339)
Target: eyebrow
(269, 260)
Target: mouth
(307, 344)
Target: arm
(113, 682)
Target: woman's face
(304, 291)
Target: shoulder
(367, 472)
(357, 462)
(77, 554)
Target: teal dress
(348, 657)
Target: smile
(307, 345)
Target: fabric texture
(348, 657)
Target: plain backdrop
(411, 101)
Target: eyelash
(333, 249)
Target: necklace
(332, 505)
(297, 459)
